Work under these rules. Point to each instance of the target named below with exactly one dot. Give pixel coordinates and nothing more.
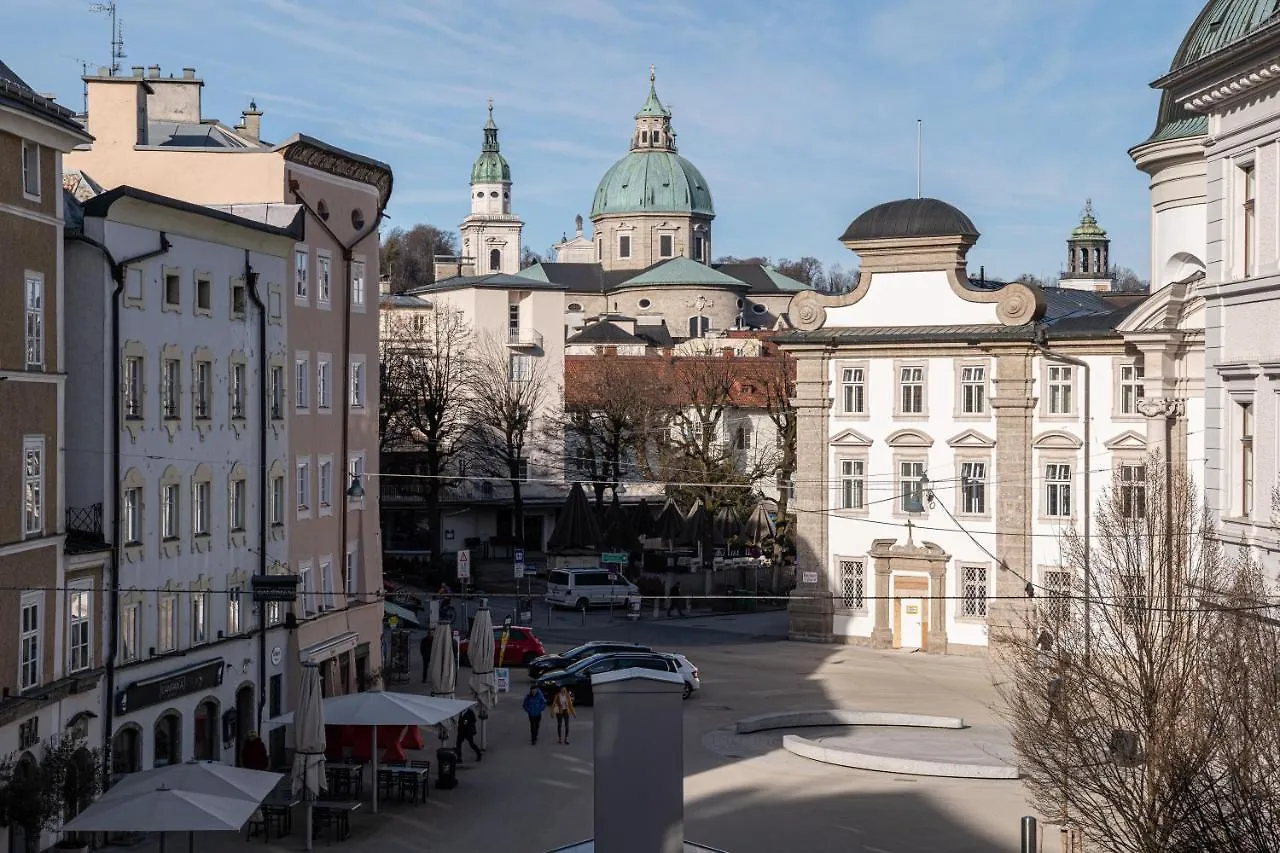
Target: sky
(800, 113)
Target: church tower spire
(491, 234)
(1088, 255)
(653, 122)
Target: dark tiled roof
(910, 217)
(192, 134)
(15, 92)
(760, 279)
(604, 332)
(657, 334)
(584, 278)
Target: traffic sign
(518, 555)
(464, 565)
(614, 557)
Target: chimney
(250, 126)
(639, 790)
(578, 221)
(104, 71)
(188, 74)
(153, 71)
(137, 70)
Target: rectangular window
(911, 486)
(79, 623)
(323, 384)
(1133, 601)
(973, 488)
(233, 610)
(522, 469)
(357, 284)
(1131, 388)
(172, 290)
(853, 584)
(200, 494)
(277, 392)
(1060, 390)
(355, 468)
(349, 574)
(973, 390)
(1057, 587)
(30, 641)
(167, 622)
(322, 279)
(133, 387)
(1133, 491)
(852, 484)
(624, 245)
(853, 390)
(169, 511)
(171, 389)
(519, 367)
(697, 248)
(326, 585)
(357, 384)
(130, 632)
(513, 320)
(238, 498)
(132, 520)
(300, 265)
(239, 300)
(277, 501)
(31, 169)
(302, 382)
(239, 390)
(200, 395)
(911, 386)
(199, 617)
(974, 581)
(1057, 483)
(33, 485)
(1246, 459)
(304, 484)
(665, 246)
(1248, 219)
(306, 593)
(35, 321)
(204, 294)
(325, 478)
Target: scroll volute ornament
(1020, 304)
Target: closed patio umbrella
(309, 742)
(725, 524)
(759, 526)
(576, 528)
(484, 682)
(670, 524)
(619, 534)
(642, 518)
(442, 672)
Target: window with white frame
(130, 631)
(239, 389)
(33, 485)
(304, 484)
(1057, 489)
(275, 612)
(201, 493)
(79, 625)
(324, 477)
(911, 390)
(852, 484)
(973, 580)
(742, 436)
(199, 616)
(301, 263)
(277, 392)
(357, 285)
(1131, 387)
(306, 591)
(277, 501)
(1133, 491)
(1244, 453)
(349, 573)
(200, 395)
(853, 390)
(910, 486)
(34, 286)
(357, 383)
(237, 501)
(326, 584)
(302, 382)
(131, 519)
(852, 588)
(167, 622)
(1133, 599)
(1057, 587)
(133, 367)
(30, 169)
(239, 299)
(169, 511)
(324, 383)
(322, 279)
(173, 290)
(1248, 219)
(355, 469)
(204, 294)
(234, 613)
(1061, 386)
(519, 368)
(973, 488)
(171, 388)
(973, 389)
(31, 644)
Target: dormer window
(644, 136)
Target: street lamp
(355, 490)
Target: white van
(587, 587)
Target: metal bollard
(584, 615)
(1029, 834)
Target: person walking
(467, 735)
(534, 704)
(562, 707)
(425, 648)
(675, 605)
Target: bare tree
(779, 390)
(1142, 700)
(408, 256)
(428, 375)
(511, 393)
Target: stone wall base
(810, 618)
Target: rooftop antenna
(117, 33)
(84, 84)
(919, 158)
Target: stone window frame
(305, 604)
(239, 579)
(1131, 459)
(1055, 596)
(169, 592)
(301, 275)
(34, 512)
(280, 361)
(358, 305)
(29, 154)
(974, 456)
(1056, 447)
(1240, 387)
(868, 581)
(238, 423)
(133, 479)
(959, 413)
(357, 466)
(237, 537)
(302, 503)
(323, 291)
(277, 473)
(35, 308)
(323, 509)
(840, 510)
(324, 383)
(1045, 413)
(275, 304)
(170, 546)
(134, 297)
(838, 410)
(1118, 363)
(198, 277)
(171, 425)
(899, 364)
(358, 390)
(133, 424)
(302, 382)
(326, 599)
(909, 445)
(202, 586)
(132, 598)
(166, 306)
(202, 476)
(202, 355)
(962, 586)
(621, 230)
(237, 283)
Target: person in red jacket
(254, 755)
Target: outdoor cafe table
(277, 810)
(347, 777)
(334, 817)
(421, 777)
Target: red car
(522, 647)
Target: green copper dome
(1088, 229)
(1221, 23)
(490, 167)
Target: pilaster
(811, 607)
(1013, 403)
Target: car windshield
(578, 666)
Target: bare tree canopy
(1141, 685)
(528, 257)
(408, 256)
(807, 269)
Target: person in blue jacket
(534, 704)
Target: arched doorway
(244, 720)
(205, 729)
(78, 786)
(126, 750)
(168, 739)
(23, 838)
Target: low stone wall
(806, 748)
(840, 717)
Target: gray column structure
(810, 611)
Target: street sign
(614, 557)
(808, 577)
(274, 587)
(464, 565)
(502, 675)
(613, 576)
(518, 556)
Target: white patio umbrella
(309, 743)
(484, 683)
(385, 708)
(443, 670)
(200, 777)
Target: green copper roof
(783, 282)
(652, 106)
(682, 271)
(1220, 24)
(654, 181)
(1088, 229)
(535, 272)
(490, 167)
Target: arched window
(1084, 260)
(126, 750)
(168, 740)
(495, 260)
(699, 326)
(206, 731)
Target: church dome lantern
(490, 167)
(910, 218)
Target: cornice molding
(1236, 86)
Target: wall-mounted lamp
(355, 490)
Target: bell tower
(1088, 255)
(491, 233)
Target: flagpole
(919, 158)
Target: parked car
(549, 663)
(578, 676)
(689, 672)
(523, 647)
(589, 587)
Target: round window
(322, 208)
(506, 194)
(644, 303)
(574, 306)
(357, 218)
(493, 194)
(759, 309)
(480, 195)
(739, 303)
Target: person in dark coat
(254, 754)
(534, 704)
(467, 735)
(675, 605)
(425, 648)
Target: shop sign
(274, 587)
(164, 688)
